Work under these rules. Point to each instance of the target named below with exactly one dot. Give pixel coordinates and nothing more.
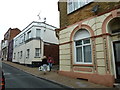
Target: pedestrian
(44, 64)
(50, 62)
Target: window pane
(86, 41)
(14, 55)
(79, 54)
(21, 55)
(18, 54)
(28, 53)
(37, 32)
(79, 42)
(29, 35)
(87, 53)
(75, 4)
(37, 52)
(116, 31)
(70, 6)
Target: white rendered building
(29, 45)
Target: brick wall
(63, 13)
(13, 33)
(53, 51)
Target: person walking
(50, 62)
(44, 64)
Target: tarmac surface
(54, 77)
(15, 78)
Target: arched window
(82, 47)
(114, 25)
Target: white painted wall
(47, 35)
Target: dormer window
(73, 5)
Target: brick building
(7, 42)
(89, 41)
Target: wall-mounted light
(95, 9)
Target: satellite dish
(44, 20)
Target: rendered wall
(102, 67)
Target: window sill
(114, 34)
(83, 65)
(36, 57)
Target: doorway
(116, 46)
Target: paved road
(18, 79)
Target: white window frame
(22, 39)
(18, 55)
(14, 55)
(80, 3)
(38, 34)
(70, 5)
(82, 46)
(37, 52)
(82, 35)
(16, 42)
(29, 35)
(28, 53)
(21, 52)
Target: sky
(20, 13)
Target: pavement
(54, 77)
